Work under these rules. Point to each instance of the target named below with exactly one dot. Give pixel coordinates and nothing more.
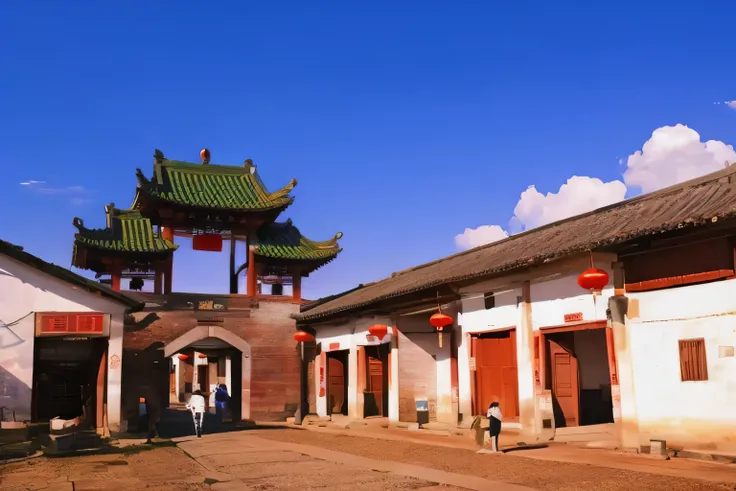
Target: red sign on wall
(577, 316)
(334, 346)
(87, 323)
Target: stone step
(582, 437)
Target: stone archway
(200, 333)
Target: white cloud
(579, 195)
(78, 194)
(731, 104)
(672, 155)
(474, 237)
(675, 154)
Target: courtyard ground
(283, 458)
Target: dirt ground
(539, 474)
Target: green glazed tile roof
(212, 186)
(126, 231)
(284, 241)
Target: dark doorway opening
(337, 382)
(69, 379)
(375, 397)
(579, 377)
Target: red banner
(207, 242)
(72, 323)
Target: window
(693, 364)
(489, 300)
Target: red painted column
(251, 276)
(296, 286)
(167, 233)
(115, 276)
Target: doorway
(337, 387)
(375, 397)
(496, 373)
(579, 376)
(69, 379)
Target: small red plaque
(577, 316)
(334, 346)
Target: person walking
(196, 405)
(153, 410)
(494, 415)
(221, 398)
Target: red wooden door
(336, 389)
(375, 374)
(497, 374)
(565, 386)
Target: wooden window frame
(693, 366)
(489, 300)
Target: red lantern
(593, 279)
(378, 331)
(303, 337)
(202, 355)
(182, 356)
(440, 321)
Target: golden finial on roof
(205, 156)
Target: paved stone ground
(291, 459)
(544, 471)
(158, 469)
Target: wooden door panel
(497, 375)
(565, 386)
(375, 369)
(335, 371)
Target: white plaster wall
(475, 318)
(552, 299)
(693, 413)
(25, 290)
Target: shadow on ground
(176, 423)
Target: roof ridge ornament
(204, 154)
(78, 223)
(158, 156)
(249, 166)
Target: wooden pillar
(167, 233)
(252, 277)
(361, 382)
(296, 286)
(233, 276)
(303, 408)
(158, 279)
(525, 357)
(100, 396)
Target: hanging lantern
(202, 355)
(440, 321)
(182, 356)
(303, 337)
(378, 331)
(593, 279)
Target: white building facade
(60, 343)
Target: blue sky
(404, 122)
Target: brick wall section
(266, 325)
(417, 374)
